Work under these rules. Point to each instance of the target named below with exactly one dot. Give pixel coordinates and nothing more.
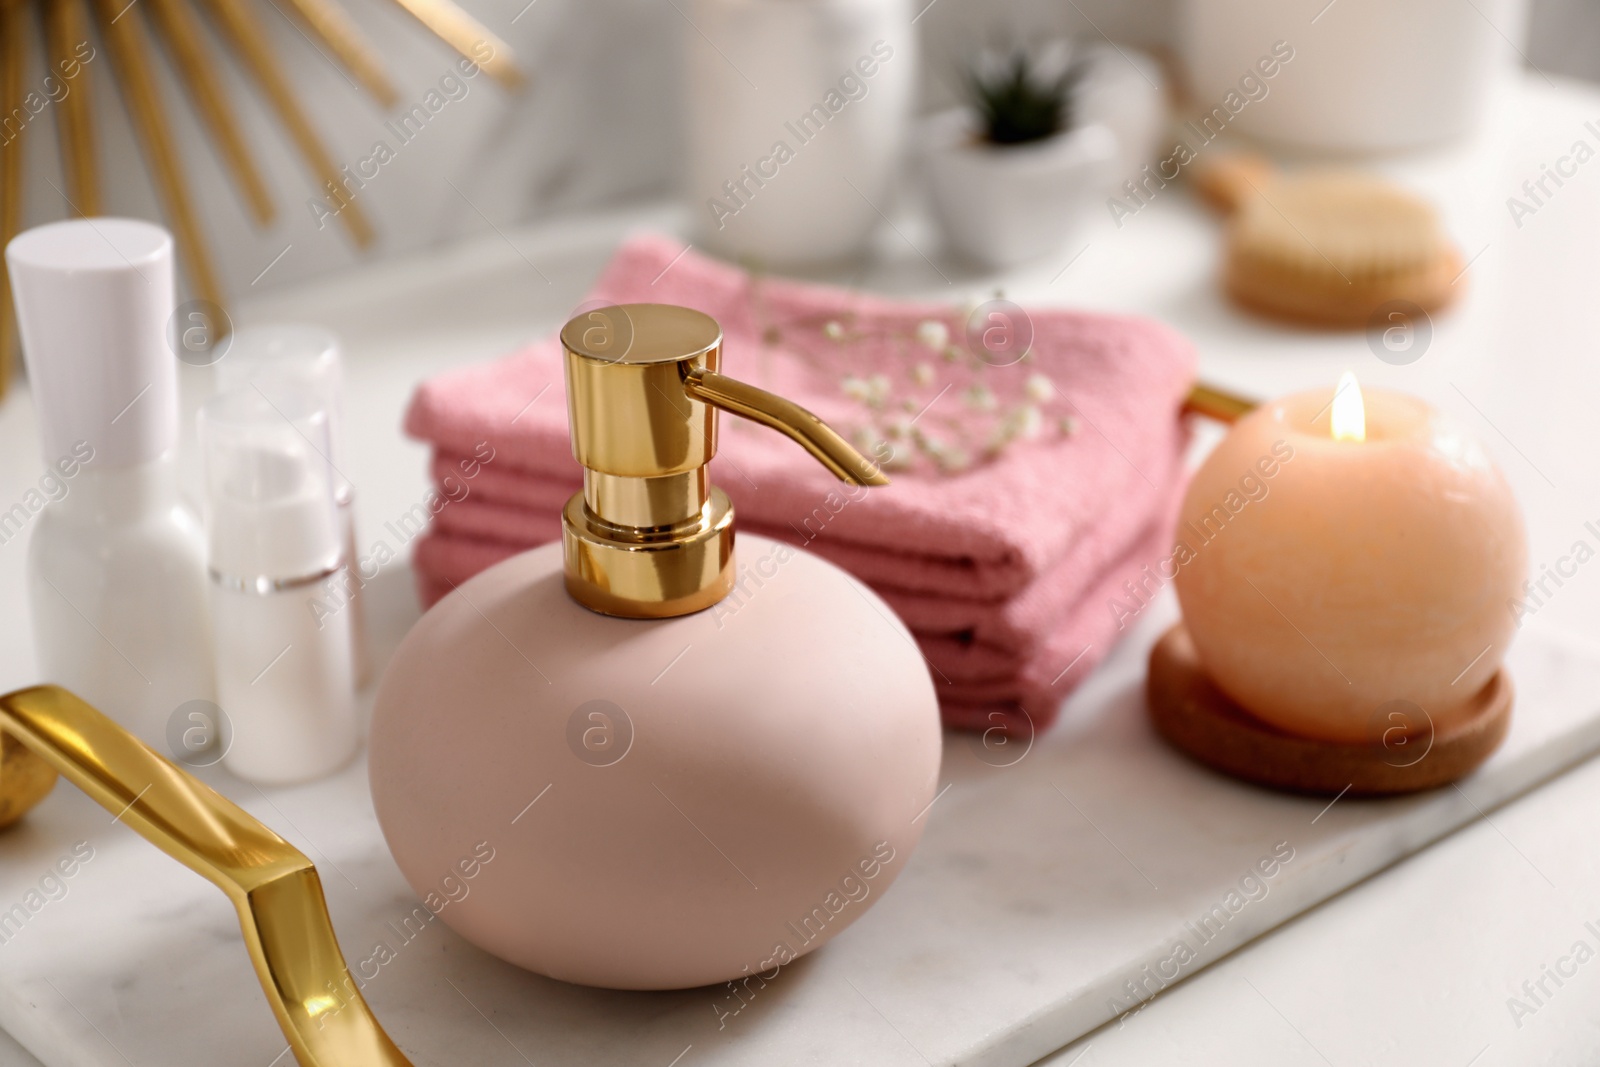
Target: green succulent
(1018, 102)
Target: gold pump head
(650, 536)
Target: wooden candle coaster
(1198, 719)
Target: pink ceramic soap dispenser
(638, 759)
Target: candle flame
(1349, 413)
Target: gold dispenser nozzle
(650, 536)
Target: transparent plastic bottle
(280, 359)
(275, 536)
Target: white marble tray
(1046, 897)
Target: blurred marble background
(598, 122)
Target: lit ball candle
(1336, 553)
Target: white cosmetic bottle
(283, 358)
(283, 672)
(116, 572)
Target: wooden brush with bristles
(1325, 247)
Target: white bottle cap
(93, 299)
(271, 516)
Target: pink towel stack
(1007, 564)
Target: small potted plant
(1009, 173)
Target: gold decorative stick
(1218, 404)
(66, 30)
(179, 28)
(354, 52)
(130, 51)
(322, 23)
(271, 884)
(248, 39)
(468, 36)
(13, 75)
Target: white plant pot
(832, 81)
(1002, 205)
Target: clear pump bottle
(278, 360)
(283, 672)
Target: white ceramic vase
(797, 114)
(1005, 205)
(1366, 75)
(1126, 91)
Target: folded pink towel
(1003, 562)
(523, 509)
(1031, 699)
(983, 677)
(467, 534)
(981, 533)
(1023, 698)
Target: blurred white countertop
(1415, 965)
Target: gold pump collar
(650, 536)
